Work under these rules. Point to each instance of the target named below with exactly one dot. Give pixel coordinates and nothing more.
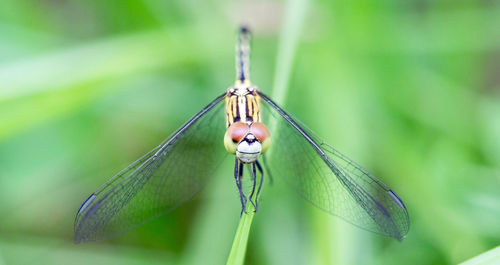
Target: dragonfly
(177, 169)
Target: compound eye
(260, 131)
(234, 134)
(237, 131)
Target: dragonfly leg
(238, 173)
(267, 169)
(244, 198)
(260, 183)
(254, 175)
(241, 171)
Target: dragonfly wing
(330, 180)
(158, 182)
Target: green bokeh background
(409, 89)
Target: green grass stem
(239, 248)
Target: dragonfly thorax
(242, 104)
(242, 88)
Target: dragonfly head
(248, 149)
(247, 142)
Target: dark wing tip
(396, 199)
(399, 202)
(86, 203)
(83, 212)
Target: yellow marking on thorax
(242, 102)
(244, 108)
(253, 102)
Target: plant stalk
(239, 248)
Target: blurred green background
(409, 89)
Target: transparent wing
(330, 180)
(158, 182)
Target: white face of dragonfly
(248, 149)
